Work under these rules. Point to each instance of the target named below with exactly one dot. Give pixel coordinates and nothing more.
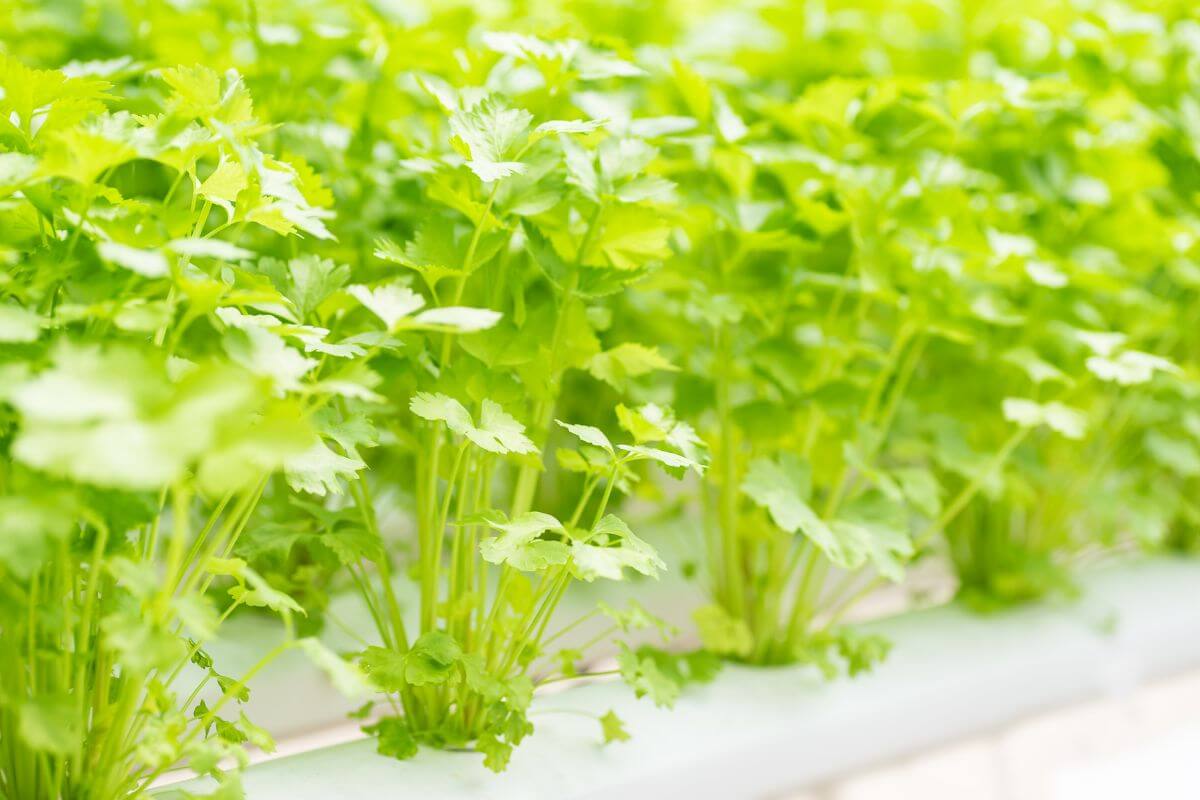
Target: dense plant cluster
(411, 300)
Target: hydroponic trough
(755, 732)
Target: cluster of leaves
(538, 222)
(918, 276)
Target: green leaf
(489, 132)
(589, 435)
(235, 567)
(82, 156)
(385, 668)
(568, 126)
(147, 263)
(393, 738)
(629, 238)
(777, 485)
(197, 615)
(432, 659)
(263, 595)
(646, 678)
(872, 529)
(458, 318)
(264, 353)
(496, 752)
(308, 281)
(319, 470)
(729, 124)
(581, 170)
(259, 737)
(500, 433)
(224, 184)
(782, 488)
(643, 424)
(1056, 416)
(613, 728)
(620, 159)
(497, 431)
(199, 247)
(634, 617)
(15, 169)
(228, 732)
(625, 362)
(1102, 343)
(230, 686)
(1176, 454)
(436, 251)
(1130, 367)
(654, 423)
(205, 757)
(1038, 370)
(440, 408)
(683, 668)
(351, 432)
(196, 90)
(611, 547)
(519, 545)
(392, 303)
(862, 653)
(666, 458)
(249, 454)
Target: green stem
(972, 488)
(543, 414)
(582, 676)
(439, 531)
(727, 499)
(572, 626)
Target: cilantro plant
(539, 220)
(478, 311)
(800, 348)
(143, 420)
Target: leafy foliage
(150, 409)
(864, 280)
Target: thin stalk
(543, 414)
(581, 676)
(572, 626)
(727, 498)
(972, 488)
(235, 689)
(439, 531)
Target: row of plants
(451, 307)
